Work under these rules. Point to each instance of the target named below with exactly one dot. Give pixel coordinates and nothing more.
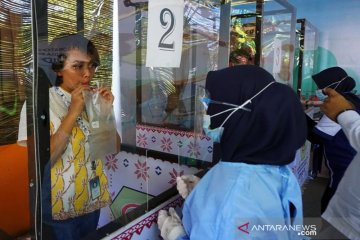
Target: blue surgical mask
(320, 95)
(216, 133)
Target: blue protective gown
(244, 201)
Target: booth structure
(155, 95)
(306, 55)
(271, 24)
(307, 38)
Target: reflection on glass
(278, 39)
(15, 83)
(242, 44)
(167, 94)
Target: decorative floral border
(147, 220)
(144, 174)
(181, 143)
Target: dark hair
(244, 51)
(65, 42)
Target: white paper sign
(277, 56)
(165, 33)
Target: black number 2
(162, 45)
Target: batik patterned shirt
(72, 172)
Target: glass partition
(305, 64)
(243, 33)
(155, 108)
(268, 35)
(15, 65)
(160, 131)
(307, 45)
(278, 40)
(160, 128)
(91, 18)
(16, 86)
(73, 52)
(265, 36)
(155, 111)
(165, 96)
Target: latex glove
(170, 225)
(162, 215)
(185, 184)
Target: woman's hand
(335, 104)
(107, 99)
(60, 138)
(106, 94)
(77, 100)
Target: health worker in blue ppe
(337, 151)
(251, 193)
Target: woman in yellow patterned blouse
(71, 209)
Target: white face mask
(216, 133)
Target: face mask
(321, 95)
(216, 133)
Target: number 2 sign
(165, 33)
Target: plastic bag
(102, 137)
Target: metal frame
(304, 24)
(259, 14)
(39, 137)
(301, 54)
(225, 16)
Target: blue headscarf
(333, 75)
(273, 130)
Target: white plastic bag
(102, 137)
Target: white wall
(338, 24)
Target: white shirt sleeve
(328, 126)
(22, 133)
(343, 209)
(350, 122)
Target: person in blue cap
(337, 151)
(251, 193)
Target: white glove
(162, 215)
(170, 225)
(185, 184)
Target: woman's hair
(60, 46)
